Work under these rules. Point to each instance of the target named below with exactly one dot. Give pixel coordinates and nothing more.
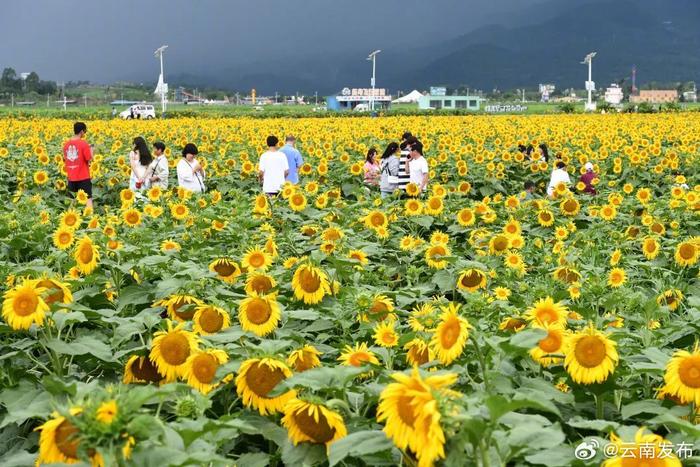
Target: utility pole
(12, 99)
(373, 58)
(590, 85)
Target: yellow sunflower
(297, 202)
(357, 355)
(171, 349)
(180, 307)
(179, 211)
(131, 217)
(466, 217)
(86, 255)
(260, 283)
(682, 376)
(569, 207)
(226, 269)
(169, 245)
(385, 335)
(471, 280)
(259, 314)
(646, 450)
(545, 218)
(310, 284)
(553, 343)
(209, 319)
(139, 369)
(59, 441)
(617, 277)
(418, 352)
(545, 311)
(200, 369)
(434, 256)
(63, 238)
(55, 291)
(23, 305)
(312, 423)
(499, 244)
(256, 259)
(376, 219)
(650, 248)
(671, 298)
(450, 335)
(687, 253)
(590, 357)
(409, 408)
(257, 378)
(304, 358)
(71, 219)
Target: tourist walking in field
(587, 179)
(559, 175)
(158, 171)
(273, 168)
(530, 189)
(371, 168)
(77, 154)
(294, 159)
(389, 170)
(190, 173)
(418, 167)
(140, 159)
(404, 177)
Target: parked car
(141, 111)
(362, 107)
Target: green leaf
(83, 345)
(358, 444)
(256, 459)
(527, 339)
(319, 378)
(303, 454)
(24, 402)
(63, 319)
(646, 406)
(306, 315)
(444, 280)
(423, 221)
(553, 456)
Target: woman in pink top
(371, 168)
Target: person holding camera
(190, 173)
(158, 171)
(140, 159)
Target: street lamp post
(590, 85)
(161, 88)
(373, 58)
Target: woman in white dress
(190, 173)
(140, 158)
(559, 175)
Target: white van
(361, 107)
(140, 111)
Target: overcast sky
(104, 41)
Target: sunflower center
(689, 371)
(551, 343)
(225, 269)
(145, 370)
(405, 410)
(500, 243)
(85, 254)
(303, 363)
(547, 315)
(211, 321)
(419, 356)
(256, 260)
(358, 358)
(25, 303)
(590, 351)
(377, 219)
(175, 348)
(204, 368)
(319, 431)
(309, 281)
(570, 205)
(258, 311)
(185, 314)
(545, 216)
(686, 251)
(64, 238)
(450, 333)
(471, 279)
(66, 439)
(261, 284)
(262, 379)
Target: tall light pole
(162, 87)
(590, 85)
(373, 58)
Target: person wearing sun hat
(587, 179)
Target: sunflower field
(470, 326)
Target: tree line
(12, 83)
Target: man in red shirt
(77, 154)
(588, 178)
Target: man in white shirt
(559, 175)
(273, 168)
(418, 166)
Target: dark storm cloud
(109, 40)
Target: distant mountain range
(537, 45)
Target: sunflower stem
(482, 364)
(485, 460)
(599, 407)
(691, 415)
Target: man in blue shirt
(293, 158)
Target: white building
(614, 95)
